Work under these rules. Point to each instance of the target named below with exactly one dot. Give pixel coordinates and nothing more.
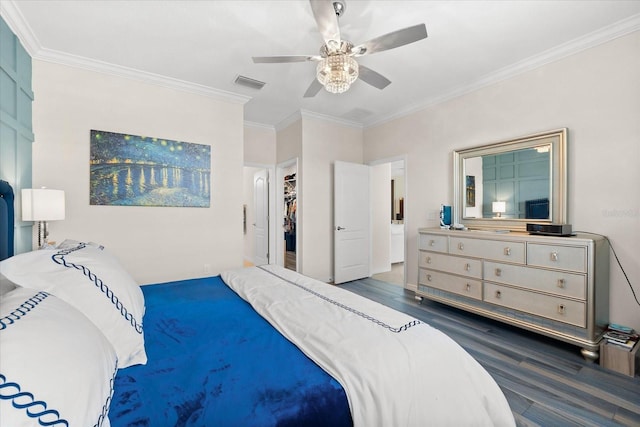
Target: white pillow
(55, 365)
(95, 283)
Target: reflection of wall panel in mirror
(515, 178)
(529, 174)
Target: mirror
(397, 192)
(508, 184)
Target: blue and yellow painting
(130, 170)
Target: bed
(81, 344)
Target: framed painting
(471, 190)
(131, 170)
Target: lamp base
(43, 234)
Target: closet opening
(288, 215)
(290, 220)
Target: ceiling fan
(337, 69)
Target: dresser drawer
(432, 242)
(572, 258)
(496, 250)
(455, 284)
(561, 283)
(451, 264)
(551, 307)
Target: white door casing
(261, 217)
(352, 234)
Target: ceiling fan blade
(313, 89)
(288, 58)
(392, 40)
(326, 19)
(373, 78)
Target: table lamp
(42, 205)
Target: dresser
(556, 286)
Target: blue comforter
(213, 361)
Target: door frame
(279, 212)
(405, 159)
(271, 172)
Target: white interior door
(352, 234)
(261, 224)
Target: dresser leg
(590, 355)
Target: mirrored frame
(556, 140)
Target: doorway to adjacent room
(389, 189)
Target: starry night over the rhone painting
(130, 170)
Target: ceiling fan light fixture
(337, 72)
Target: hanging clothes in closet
(290, 208)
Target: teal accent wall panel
(515, 178)
(16, 130)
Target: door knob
(340, 228)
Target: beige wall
(323, 142)
(595, 94)
(259, 145)
(154, 244)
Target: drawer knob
(498, 294)
(461, 246)
(507, 251)
(561, 283)
(498, 272)
(428, 277)
(428, 260)
(467, 267)
(561, 309)
(554, 256)
(468, 288)
(432, 242)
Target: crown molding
(306, 114)
(16, 21)
(288, 121)
(257, 125)
(593, 39)
(57, 57)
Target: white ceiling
(203, 45)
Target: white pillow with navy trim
(56, 367)
(94, 282)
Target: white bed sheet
(396, 371)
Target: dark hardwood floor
(547, 382)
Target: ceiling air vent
(250, 83)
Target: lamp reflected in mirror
(499, 208)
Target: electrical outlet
(433, 215)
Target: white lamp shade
(499, 207)
(42, 204)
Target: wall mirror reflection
(509, 183)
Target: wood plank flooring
(547, 382)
